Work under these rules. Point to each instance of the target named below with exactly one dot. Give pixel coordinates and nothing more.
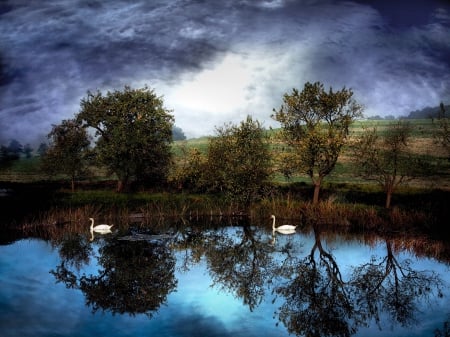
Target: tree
(385, 158)
(133, 131)
(28, 151)
(14, 149)
(68, 151)
(42, 149)
(315, 124)
(188, 171)
(238, 161)
(443, 132)
(10, 153)
(177, 133)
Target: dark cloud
(406, 13)
(201, 55)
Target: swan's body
(100, 228)
(285, 229)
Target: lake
(222, 280)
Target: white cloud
(239, 84)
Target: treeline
(129, 134)
(425, 113)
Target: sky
(216, 61)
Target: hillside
(27, 170)
(422, 145)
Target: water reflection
(133, 277)
(307, 283)
(319, 302)
(315, 299)
(239, 261)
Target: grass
(69, 213)
(345, 198)
(27, 170)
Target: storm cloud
(217, 61)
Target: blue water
(222, 285)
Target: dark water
(231, 281)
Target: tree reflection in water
(388, 285)
(240, 264)
(313, 297)
(134, 277)
(238, 259)
(316, 299)
(318, 302)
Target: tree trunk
(316, 192)
(388, 198)
(122, 185)
(72, 182)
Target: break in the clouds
(217, 61)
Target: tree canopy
(315, 124)
(133, 133)
(68, 151)
(238, 161)
(385, 158)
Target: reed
(148, 210)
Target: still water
(222, 281)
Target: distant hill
(428, 112)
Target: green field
(423, 145)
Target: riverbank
(354, 209)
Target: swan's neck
(273, 223)
(92, 224)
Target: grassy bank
(30, 198)
(41, 206)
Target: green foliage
(10, 153)
(238, 161)
(188, 171)
(316, 125)
(177, 133)
(385, 158)
(69, 151)
(42, 149)
(28, 151)
(134, 133)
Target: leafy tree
(68, 151)
(14, 149)
(28, 150)
(188, 172)
(385, 158)
(177, 133)
(443, 132)
(42, 149)
(10, 153)
(3, 156)
(133, 131)
(238, 161)
(315, 124)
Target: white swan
(100, 228)
(285, 229)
